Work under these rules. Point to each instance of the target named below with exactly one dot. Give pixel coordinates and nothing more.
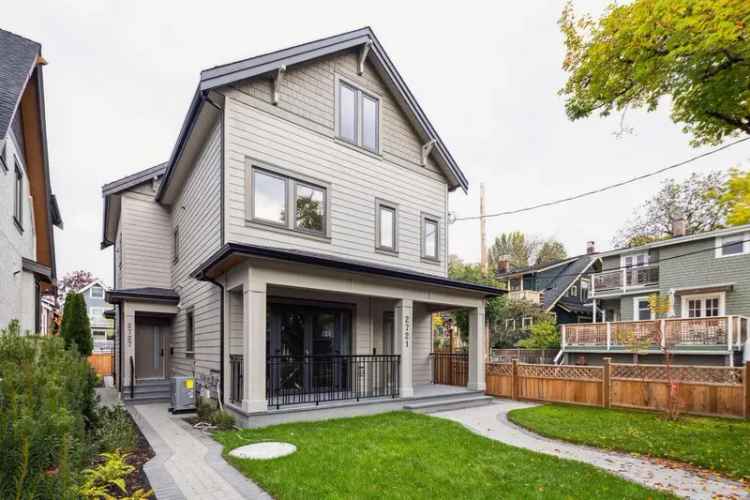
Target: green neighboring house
(706, 276)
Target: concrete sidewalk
(188, 464)
(491, 421)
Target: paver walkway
(188, 464)
(491, 421)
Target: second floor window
(386, 226)
(430, 238)
(18, 199)
(189, 334)
(97, 292)
(358, 117)
(176, 243)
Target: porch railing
(450, 368)
(730, 332)
(294, 380)
(237, 378)
(623, 279)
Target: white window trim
(359, 90)
(636, 309)
(91, 292)
(527, 322)
(720, 243)
(573, 291)
(511, 322)
(703, 296)
(634, 256)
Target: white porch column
(128, 343)
(477, 348)
(404, 319)
(254, 353)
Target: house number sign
(130, 334)
(407, 324)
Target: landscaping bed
(405, 455)
(716, 444)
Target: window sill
(718, 256)
(355, 147)
(190, 354)
(268, 226)
(18, 225)
(387, 251)
(430, 260)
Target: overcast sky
(121, 75)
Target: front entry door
(149, 351)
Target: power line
(606, 188)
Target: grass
(717, 444)
(404, 455)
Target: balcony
(532, 296)
(621, 280)
(720, 332)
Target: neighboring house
(294, 247)
(707, 278)
(28, 209)
(50, 315)
(102, 328)
(560, 288)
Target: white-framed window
(99, 334)
(703, 306)
(430, 237)
(18, 198)
(358, 116)
(96, 292)
(585, 290)
(189, 334)
(510, 324)
(176, 244)
(642, 309)
(386, 226)
(573, 291)
(526, 322)
(288, 201)
(735, 244)
(634, 260)
(515, 284)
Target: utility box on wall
(183, 394)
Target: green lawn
(404, 455)
(722, 445)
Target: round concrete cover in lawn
(263, 451)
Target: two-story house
(560, 288)
(28, 209)
(291, 251)
(706, 278)
(102, 327)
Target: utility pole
(482, 229)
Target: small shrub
(205, 410)
(223, 420)
(108, 479)
(115, 430)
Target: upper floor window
(574, 291)
(642, 309)
(96, 292)
(635, 260)
(430, 237)
(386, 226)
(3, 163)
(358, 117)
(584, 290)
(18, 200)
(736, 244)
(189, 334)
(176, 243)
(276, 194)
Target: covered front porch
(302, 337)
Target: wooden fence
(450, 368)
(102, 363)
(702, 390)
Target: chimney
(590, 247)
(679, 226)
(503, 264)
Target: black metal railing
(294, 380)
(237, 378)
(132, 378)
(450, 368)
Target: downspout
(221, 339)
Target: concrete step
(148, 389)
(150, 397)
(452, 403)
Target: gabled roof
(565, 278)
(538, 267)
(265, 64)
(18, 57)
(95, 282)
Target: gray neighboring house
(706, 276)
(102, 327)
(291, 251)
(28, 209)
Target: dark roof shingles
(17, 58)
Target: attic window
(358, 117)
(3, 163)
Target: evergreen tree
(75, 328)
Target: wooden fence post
(746, 387)
(605, 383)
(514, 379)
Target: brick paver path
(188, 464)
(491, 421)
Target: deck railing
(237, 378)
(623, 279)
(294, 380)
(727, 331)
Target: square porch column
(254, 352)
(404, 327)
(477, 348)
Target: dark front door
(307, 347)
(149, 350)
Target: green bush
(205, 410)
(115, 430)
(544, 335)
(47, 409)
(75, 327)
(223, 420)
